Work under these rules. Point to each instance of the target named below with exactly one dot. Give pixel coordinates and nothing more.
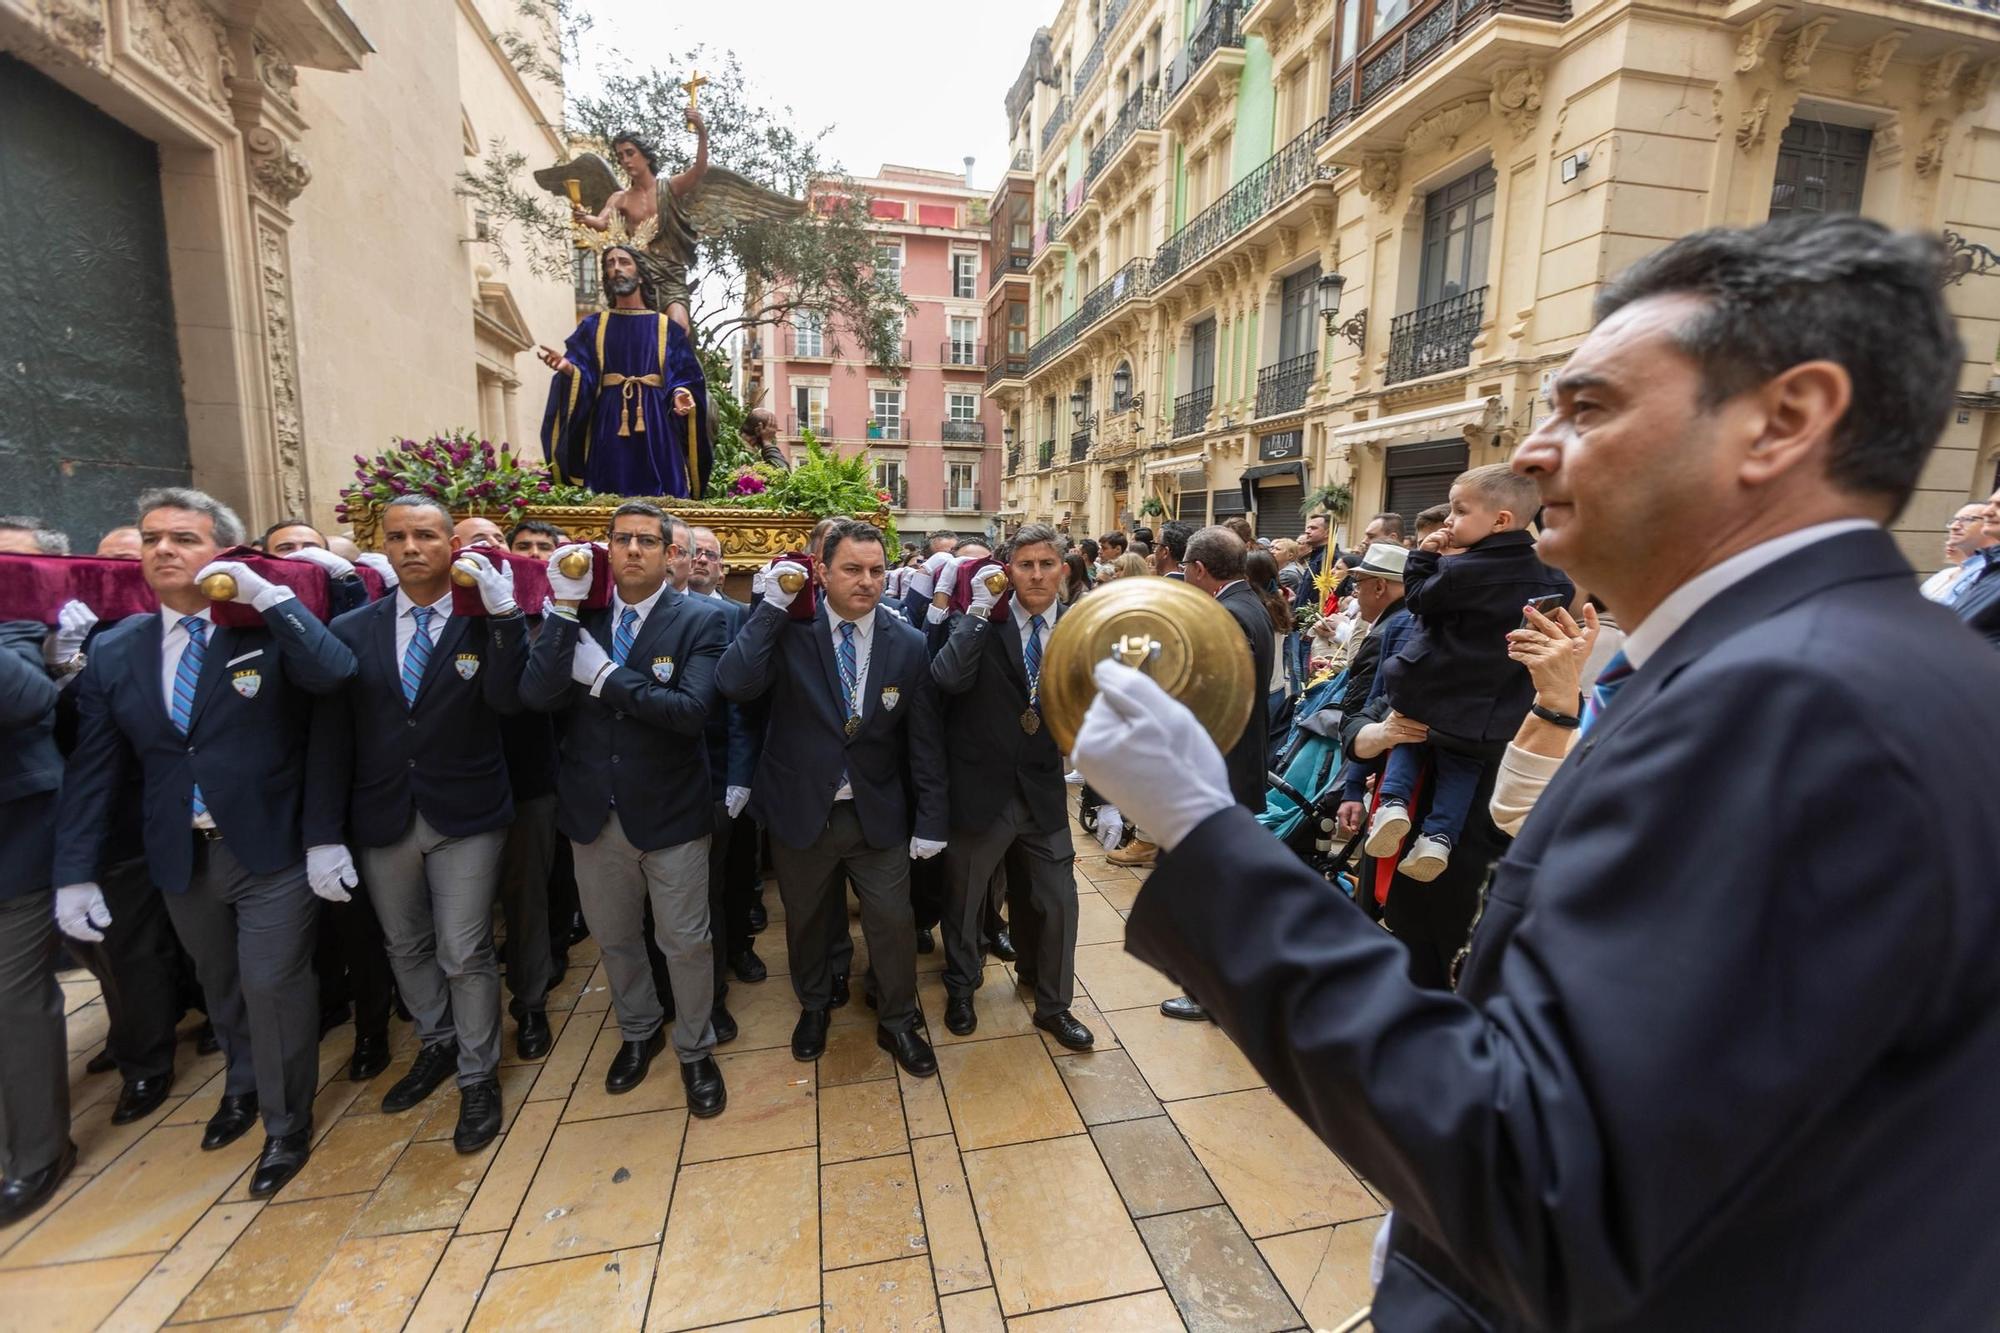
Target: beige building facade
(329, 288)
(1472, 171)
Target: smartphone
(1546, 605)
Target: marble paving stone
(924, 1109)
(87, 1025)
(1004, 1091)
(1117, 980)
(355, 1155)
(448, 1298)
(274, 1260)
(506, 1181)
(1218, 1280)
(1182, 1059)
(662, 1090)
(564, 1062)
(182, 1268)
(958, 1255)
(972, 1312)
(1056, 1231)
(860, 1120)
(70, 1296)
(99, 1142)
(605, 1293)
(870, 1211)
(1086, 1013)
(852, 1056)
(14, 1235)
(881, 1298)
(1274, 1173)
(431, 1186)
(1148, 1312)
(1152, 1167)
(792, 1321)
(1099, 870)
(765, 1015)
(268, 1321)
(1097, 921)
(603, 1185)
(371, 1282)
(144, 1203)
(772, 1106)
(1107, 1086)
(1120, 893)
(742, 1242)
(441, 1113)
(1325, 1270)
(997, 1004)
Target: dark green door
(90, 373)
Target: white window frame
(968, 399)
(815, 413)
(957, 496)
(964, 351)
(887, 471)
(877, 399)
(807, 323)
(884, 250)
(968, 261)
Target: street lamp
(1076, 405)
(1121, 384)
(1354, 330)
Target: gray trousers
(524, 903)
(34, 1054)
(971, 859)
(614, 881)
(434, 897)
(252, 938)
(812, 880)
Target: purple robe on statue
(611, 426)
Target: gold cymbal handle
(462, 575)
(996, 582)
(791, 581)
(1137, 651)
(218, 588)
(574, 565)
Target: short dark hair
(1430, 520)
(964, 543)
(1391, 520)
(1219, 551)
(1820, 288)
(644, 510)
(1118, 539)
(853, 530)
(1140, 547)
(1144, 534)
(1031, 534)
(539, 528)
(645, 149)
(1241, 527)
(950, 539)
(1089, 548)
(1174, 536)
(420, 502)
(265, 540)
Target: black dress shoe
(748, 966)
(634, 1058)
(205, 1040)
(809, 1037)
(230, 1122)
(101, 1063)
(371, 1057)
(1003, 947)
(1184, 1007)
(579, 929)
(836, 991)
(279, 1162)
(758, 918)
(926, 942)
(478, 1115)
(705, 1093)
(434, 1064)
(531, 1035)
(912, 1052)
(959, 1016)
(21, 1195)
(723, 1022)
(1067, 1031)
(140, 1097)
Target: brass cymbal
(1178, 635)
(218, 588)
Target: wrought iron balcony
(1013, 459)
(1435, 337)
(1215, 29)
(1140, 112)
(961, 497)
(1287, 171)
(1094, 61)
(1417, 40)
(1053, 126)
(1047, 456)
(1191, 411)
(899, 355)
(958, 431)
(821, 425)
(899, 492)
(1283, 387)
(1135, 279)
(808, 345)
(1079, 442)
(962, 352)
(1009, 367)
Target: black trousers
(563, 902)
(137, 965)
(34, 1058)
(975, 860)
(353, 967)
(810, 879)
(523, 892)
(728, 907)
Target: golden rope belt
(628, 387)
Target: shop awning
(1178, 463)
(1444, 422)
(1267, 471)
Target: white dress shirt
(406, 622)
(173, 646)
(1021, 623)
(864, 642)
(618, 608)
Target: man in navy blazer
(851, 783)
(216, 720)
(1730, 1001)
(635, 681)
(408, 763)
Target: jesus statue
(627, 412)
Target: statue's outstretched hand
(555, 360)
(683, 402)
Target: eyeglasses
(644, 541)
(700, 554)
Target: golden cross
(693, 86)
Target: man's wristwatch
(1568, 721)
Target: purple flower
(362, 461)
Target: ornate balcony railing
(1416, 41)
(1094, 61)
(807, 345)
(1079, 443)
(1434, 337)
(1134, 279)
(1215, 29)
(1191, 411)
(1047, 456)
(961, 497)
(1140, 112)
(1009, 367)
(1283, 175)
(957, 431)
(821, 425)
(1012, 263)
(1053, 126)
(1283, 387)
(1013, 459)
(962, 352)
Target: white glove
(330, 871)
(947, 576)
(923, 849)
(735, 799)
(757, 583)
(251, 587)
(334, 565)
(378, 562)
(923, 579)
(984, 597)
(81, 913)
(774, 592)
(1133, 733)
(590, 662)
(73, 626)
(562, 586)
(495, 581)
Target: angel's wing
(726, 199)
(596, 180)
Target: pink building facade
(925, 423)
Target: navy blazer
(1730, 1004)
(1980, 608)
(1453, 673)
(245, 744)
(894, 761)
(642, 742)
(733, 733)
(1249, 759)
(985, 686)
(377, 761)
(30, 765)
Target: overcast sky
(913, 82)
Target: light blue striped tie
(418, 655)
(1609, 681)
(186, 676)
(1031, 657)
(621, 641)
(850, 676)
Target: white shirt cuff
(272, 595)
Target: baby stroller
(1304, 784)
